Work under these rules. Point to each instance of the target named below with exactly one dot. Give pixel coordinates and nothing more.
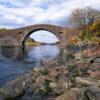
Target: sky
(42, 36)
(20, 13)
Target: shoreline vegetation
(31, 42)
(38, 43)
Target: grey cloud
(19, 13)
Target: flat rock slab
(87, 81)
(93, 93)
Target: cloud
(43, 36)
(19, 13)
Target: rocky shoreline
(70, 81)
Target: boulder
(50, 63)
(72, 94)
(87, 81)
(53, 85)
(93, 93)
(65, 71)
(40, 80)
(13, 89)
(78, 56)
(95, 74)
(53, 72)
(64, 82)
(97, 60)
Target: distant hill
(3, 29)
(30, 40)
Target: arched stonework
(21, 34)
(51, 28)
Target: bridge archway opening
(40, 36)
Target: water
(16, 61)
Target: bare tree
(83, 19)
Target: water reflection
(11, 65)
(42, 52)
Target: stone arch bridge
(20, 35)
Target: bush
(70, 56)
(45, 72)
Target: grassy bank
(32, 43)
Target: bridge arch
(21, 34)
(34, 33)
(56, 30)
